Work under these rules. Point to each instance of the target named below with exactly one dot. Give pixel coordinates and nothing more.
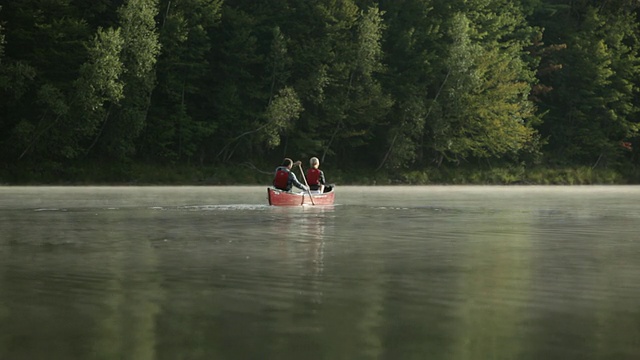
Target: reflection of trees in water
(131, 301)
(308, 317)
(489, 317)
(586, 287)
(351, 317)
(77, 284)
(303, 241)
(314, 231)
(303, 229)
(545, 288)
(353, 283)
(617, 327)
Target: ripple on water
(229, 207)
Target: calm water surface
(386, 273)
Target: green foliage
(398, 87)
(100, 83)
(100, 76)
(593, 107)
(574, 176)
(416, 178)
(280, 114)
(140, 50)
(411, 46)
(1, 39)
(278, 60)
(177, 121)
(43, 48)
(16, 78)
(357, 104)
(284, 106)
(485, 111)
(241, 93)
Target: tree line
(388, 84)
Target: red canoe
(284, 198)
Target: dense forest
(388, 86)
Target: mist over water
(442, 272)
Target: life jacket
(281, 181)
(313, 176)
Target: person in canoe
(315, 177)
(285, 179)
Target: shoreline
(185, 175)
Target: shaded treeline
(392, 84)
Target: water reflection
(304, 225)
(433, 275)
(66, 275)
(493, 309)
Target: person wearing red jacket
(315, 177)
(285, 179)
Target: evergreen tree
(43, 53)
(281, 104)
(1, 39)
(405, 83)
(284, 104)
(411, 46)
(342, 96)
(240, 96)
(179, 119)
(485, 111)
(592, 107)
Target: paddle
(305, 182)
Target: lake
(426, 272)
